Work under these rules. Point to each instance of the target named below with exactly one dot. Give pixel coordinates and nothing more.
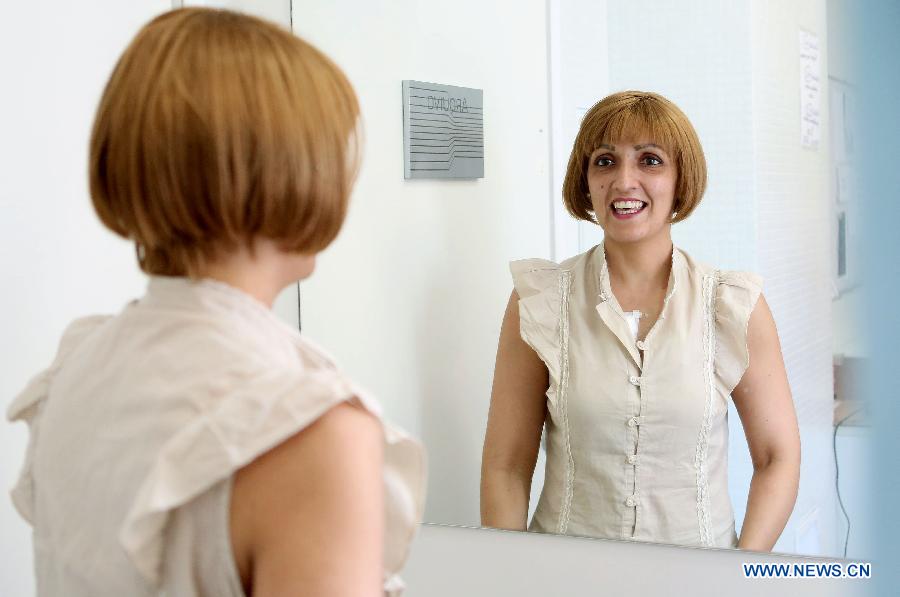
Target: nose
(626, 177)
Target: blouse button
(632, 458)
(635, 380)
(632, 421)
(604, 297)
(641, 345)
(629, 501)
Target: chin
(626, 239)
(636, 234)
(617, 234)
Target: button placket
(611, 312)
(633, 423)
(631, 457)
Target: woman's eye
(652, 160)
(603, 161)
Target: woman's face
(632, 187)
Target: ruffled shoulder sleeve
(27, 406)
(537, 282)
(404, 478)
(736, 296)
(261, 411)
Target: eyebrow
(636, 147)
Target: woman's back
(140, 425)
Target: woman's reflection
(630, 352)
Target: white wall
(410, 297)
(847, 314)
(848, 338)
(579, 77)
(277, 11)
(794, 223)
(58, 262)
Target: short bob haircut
(634, 115)
(217, 128)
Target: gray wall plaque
(443, 132)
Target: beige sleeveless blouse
(140, 423)
(637, 446)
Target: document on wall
(810, 90)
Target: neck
(644, 264)
(262, 272)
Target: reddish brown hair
(628, 115)
(216, 128)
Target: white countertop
(457, 561)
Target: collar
(206, 295)
(605, 290)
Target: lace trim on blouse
(565, 280)
(709, 351)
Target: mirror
(411, 296)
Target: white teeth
(628, 204)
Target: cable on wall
(837, 474)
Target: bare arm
(515, 421)
(307, 517)
(763, 401)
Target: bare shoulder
(761, 330)
(512, 306)
(310, 501)
(765, 372)
(344, 432)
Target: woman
(193, 444)
(630, 352)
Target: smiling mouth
(627, 207)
